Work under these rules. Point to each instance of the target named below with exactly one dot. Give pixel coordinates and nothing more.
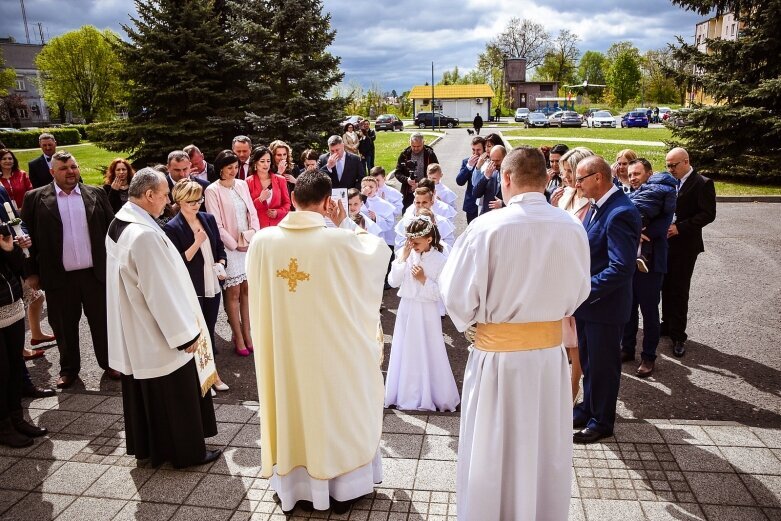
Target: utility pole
(432, 96)
(40, 31)
(24, 20)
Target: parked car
(9, 129)
(664, 113)
(634, 118)
(554, 119)
(388, 122)
(601, 118)
(521, 114)
(352, 119)
(423, 120)
(569, 118)
(537, 119)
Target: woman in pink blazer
(268, 190)
(229, 200)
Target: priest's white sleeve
(164, 300)
(462, 280)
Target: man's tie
(594, 210)
(339, 168)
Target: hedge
(29, 138)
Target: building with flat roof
(726, 27)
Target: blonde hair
(369, 179)
(433, 167)
(627, 153)
(186, 190)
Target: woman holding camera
(14, 430)
(229, 200)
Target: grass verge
(92, 160)
(629, 134)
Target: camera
(411, 165)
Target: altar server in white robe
(317, 351)
(381, 211)
(386, 191)
(514, 274)
(424, 198)
(443, 193)
(356, 214)
(158, 338)
(444, 211)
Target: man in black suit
(199, 168)
(242, 147)
(67, 222)
(178, 166)
(344, 169)
(695, 209)
(39, 169)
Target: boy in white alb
(387, 192)
(443, 193)
(442, 210)
(424, 198)
(355, 213)
(381, 211)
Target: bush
(83, 130)
(29, 138)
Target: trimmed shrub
(29, 138)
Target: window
(733, 29)
(22, 113)
(20, 84)
(546, 88)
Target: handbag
(245, 238)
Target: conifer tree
(281, 47)
(739, 136)
(179, 74)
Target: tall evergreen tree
(739, 136)
(281, 47)
(179, 74)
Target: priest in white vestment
(315, 295)
(157, 335)
(514, 274)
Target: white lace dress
(234, 268)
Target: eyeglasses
(197, 201)
(670, 166)
(580, 179)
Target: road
(732, 369)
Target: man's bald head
(677, 162)
(523, 170)
(594, 177)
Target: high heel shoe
(221, 386)
(250, 348)
(240, 352)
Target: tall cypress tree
(179, 72)
(740, 136)
(281, 46)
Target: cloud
(393, 43)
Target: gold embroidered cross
(292, 275)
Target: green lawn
(734, 188)
(92, 160)
(630, 134)
(389, 145)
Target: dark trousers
(599, 346)
(368, 162)
(675, 294)
(646, 288)
(210, 307)
(11, 363)
(471, 216)
(81, 290)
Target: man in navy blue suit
(464, 177)
(647, 287)
(613, 228)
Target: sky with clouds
(393, 43)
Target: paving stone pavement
(655, 470)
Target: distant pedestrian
(477, 123)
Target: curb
(748, 198)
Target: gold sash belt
(518, 337)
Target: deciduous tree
(593, 68)
(623, 77)
(80, 70)
(523, 38)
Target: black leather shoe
(342, 507)
(31, 391)
(579, 423)
(210, 456)
(679, 349)
(587, 436)
(25, 427)
(627, 357)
